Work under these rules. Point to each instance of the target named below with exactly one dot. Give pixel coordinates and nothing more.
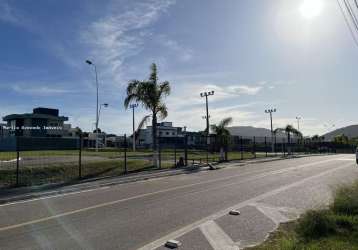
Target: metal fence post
(241, 148)
(80, 158)
(254, 147)
(160, 154)
(175, 152)
(186, 150)
(125, 154)
(207, 148)
(266, 145)
(17, 160)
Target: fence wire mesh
(35, 161)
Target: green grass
(333, 228)
(118, 153)
(108, 162)
(67, 172)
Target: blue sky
(255, 54)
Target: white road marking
(44, 219)
(176, 234)
(272, 213)
(176, 188)
(53, 196)
(217, 238)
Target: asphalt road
(192, 208)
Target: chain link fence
(27, 161)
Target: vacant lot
(51, 166)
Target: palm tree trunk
(154, 139)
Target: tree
(141, 125)
(317, 138)
(150, 94)
(341, 139)
(289, 130)
(222, 136)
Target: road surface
(192, 208)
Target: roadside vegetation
(52, 166)
(222, 136)
(150, 94)
(333, 228)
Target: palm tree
(150, 93)
(222, 135)
(289, 130)
(141, 125)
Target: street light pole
(270, 111)
(97, 110)
(99, 115)
(206, 94)
(133, 106)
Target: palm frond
(214, 128)
(141, 124)
(164, 89)
(162, 110)
(225, 122)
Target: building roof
(38, 113)
(33, 116)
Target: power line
(347, 23)
(351, 13)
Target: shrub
(346, 200)
(316, 224)
(346, 221)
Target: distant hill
(252, 131)
(350, 131)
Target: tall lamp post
(99, 115)
(133, 106)
(206, 94)
(100, 108)
(270, 111)
(97, 111)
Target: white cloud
(243, 90)
(189, 94)
(44, 90)
(182, 53)
(118, 36)
(8, 14)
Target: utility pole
(133, 106)
(206, 94)
(270, 111)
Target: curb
(40, 191)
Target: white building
(165, 131)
